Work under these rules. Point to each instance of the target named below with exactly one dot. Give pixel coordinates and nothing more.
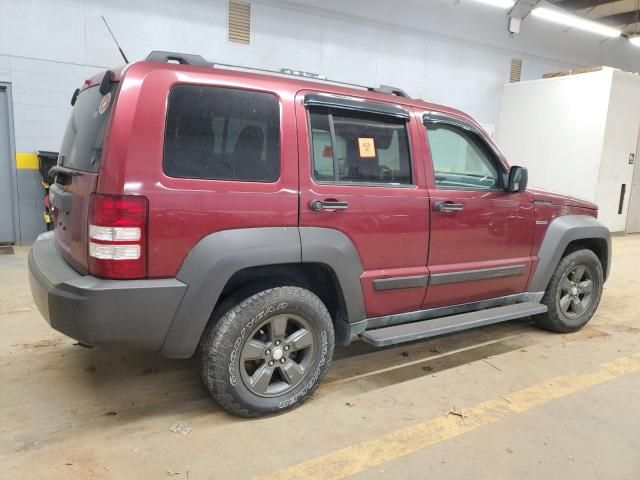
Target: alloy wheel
(277, 355)
(576, 291)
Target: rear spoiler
(108, 78)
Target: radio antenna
(126, 60)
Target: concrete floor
(502, 402)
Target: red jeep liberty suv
(262, 218)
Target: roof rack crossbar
(188, 59)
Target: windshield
(82, 143)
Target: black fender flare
(560, 233)
(218, 256)
(334, 249)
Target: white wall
(450, 52)
(455, 52)
(575, 134)
(555, 128)
(621, 137)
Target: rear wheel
(573, 293)
(269, 352)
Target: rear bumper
(94, 311)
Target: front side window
(357, 148)
(460, 158)
(222, 134)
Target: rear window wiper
(59, 169)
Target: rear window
(82, 143)
(222, 134)
(352, 147)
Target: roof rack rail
(389, 90)
(181, 58)
(188, 59)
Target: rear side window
(82, 143)
(351, 147)
(222, 134)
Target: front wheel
(573, 293)
(268, 353)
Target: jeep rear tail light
(118, 236)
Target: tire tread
(219, 337)
(552, 319)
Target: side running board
(381, 337)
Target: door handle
(447, 207)
(318, 205)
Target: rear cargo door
(77, 172)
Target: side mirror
(518, 178)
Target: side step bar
(381, 337)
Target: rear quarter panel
(183, 211)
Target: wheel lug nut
(271, 363)
(286, 348)
(277, 342)
(268, 352)
(282, 360)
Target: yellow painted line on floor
(362, 456)
(26, 160)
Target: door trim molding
(472, 275)
(395, 283)
(415, 281)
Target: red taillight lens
(118, 236)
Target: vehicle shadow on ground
(100, 388)
(133, 385)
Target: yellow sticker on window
(367, 147)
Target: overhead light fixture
(498, 3)
(573, 21)
(635, 40)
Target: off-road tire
(555, 319)
(223, 344)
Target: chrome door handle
(447, 207)
(318, 205)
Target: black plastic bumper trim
(95, 311)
